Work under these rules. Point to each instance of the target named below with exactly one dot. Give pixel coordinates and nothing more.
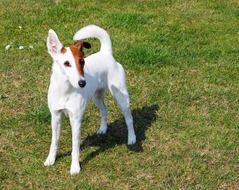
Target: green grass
(182, 65)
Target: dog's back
(101, 67)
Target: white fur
(102, 73)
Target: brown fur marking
(63, 50)
(78, 54)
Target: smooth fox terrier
(75, 80)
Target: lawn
(182, 65)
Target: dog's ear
(80, 44)
(86, 45)
(53, 43)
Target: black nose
(82, 83)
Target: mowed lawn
(182, 65)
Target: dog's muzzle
(82, 83)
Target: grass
(181, 59)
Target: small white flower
(7, 47)
(20, 27)
(31, 46)
(20, 47)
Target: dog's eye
(82, 62)
(67, 64)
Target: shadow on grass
(117, 133)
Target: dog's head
(70, 59)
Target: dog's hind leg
(99, 102)
(55, 125)
(122, 99)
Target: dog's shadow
(117, 133)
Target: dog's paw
(75, 169)
(50, 160)
(131, 139)
(102, 130)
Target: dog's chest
(59, 94)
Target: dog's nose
(82, 83)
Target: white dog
(75, 80)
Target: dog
(75, 80)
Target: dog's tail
(93, 31)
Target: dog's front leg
(55, 126)
(75, 154)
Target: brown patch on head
(78, 54)
(63, 50)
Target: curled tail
(93, 31)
